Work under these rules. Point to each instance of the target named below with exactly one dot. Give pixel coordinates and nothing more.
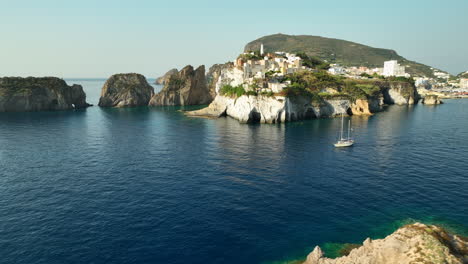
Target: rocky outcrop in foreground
(187, 87)
(165, 78)
(126, 90)
(39, 94)
(416, 243)
(431, 99)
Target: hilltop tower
(261, 49)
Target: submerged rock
(165, 78)
(126, 90)
(431, 99)
(187, 87)
(39, 94)
(416, 243)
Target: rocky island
(39, 94)
(187, 87)
(415, 243)
(126, 90)
(281, 87)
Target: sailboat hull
(344, 144)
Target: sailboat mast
(349, 129)
(342, 127)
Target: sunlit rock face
(399, 93)
(187, 87)
(431, 99)
(126, 90)
(416, 243)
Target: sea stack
(187, 87)
(431, 99)
(126, 90)
(165, 78)
(39, 94)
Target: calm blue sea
(153, 186)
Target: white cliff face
(397, 97)
(431, 99)
(333, 107)
(417, 243)
(263, 109)
(400, 94)
(232, 76)
(271, 109)
(277, 109)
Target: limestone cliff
(187, 87)
(213, 76)
(431, 99)
(416, 243)
(276, 108)
(249, 109)
(399, 93)
(165, 78)
(126, 90)
(229, 75)
(39, 94)
(272, 109)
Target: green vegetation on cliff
(313, 62)
(315, 81)
(463, 75)
(230, 90)
(337, 51)
(315, 85)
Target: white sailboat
(344, 141)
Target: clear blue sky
(98, 38)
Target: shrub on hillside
(230, 90)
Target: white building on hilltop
(464, 83)
(392, 68)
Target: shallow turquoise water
(153, 186)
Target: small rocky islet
(126, 90)
(39, 94)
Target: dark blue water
(153, 186)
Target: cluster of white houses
(464, 83)
(278, 63)
(391, 68)
(256, 67)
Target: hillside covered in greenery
(338, 51)
(463, 75)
